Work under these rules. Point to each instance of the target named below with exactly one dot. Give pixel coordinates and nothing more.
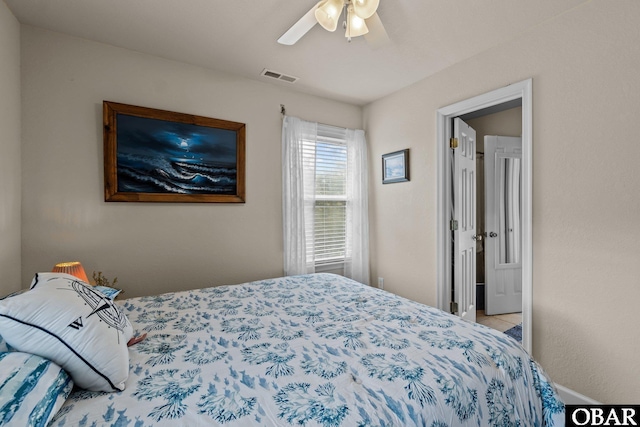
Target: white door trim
(521, 90)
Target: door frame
(521, 90)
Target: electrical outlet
(380, 283)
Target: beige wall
(503, 123)
(151, 248)
(586, 270)
(10, 148)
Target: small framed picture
(395, 167)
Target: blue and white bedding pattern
(315, 350)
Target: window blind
(328, 157)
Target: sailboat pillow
(68, 322)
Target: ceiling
(239, 37)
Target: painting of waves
(159, 156)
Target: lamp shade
(365, 8)
(328, 14)
(74, 268)
(355, 25)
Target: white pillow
(64, 320)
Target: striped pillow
(32, 389)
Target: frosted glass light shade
(356, 25)
(328, 14)
(74, 268)
(365, 8)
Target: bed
(314, 350)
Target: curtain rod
(283, 112)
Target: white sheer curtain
(297, 209)
(357, 228)
(298, 177)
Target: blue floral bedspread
(315, 350)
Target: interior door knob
(493, 234)
(477, 237)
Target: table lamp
(74, 268)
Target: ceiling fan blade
(300, 28)
(377, 36)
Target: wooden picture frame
(395, 166)
(160, 156)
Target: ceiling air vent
(278, 76)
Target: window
(326, 243)
(324, 199)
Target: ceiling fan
(360, 19)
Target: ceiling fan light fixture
(365, 8)
(360, 19)
(328, 14)
(355, 25)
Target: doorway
(500, 99)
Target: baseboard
(570, 397)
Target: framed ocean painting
(395, 167)
(160, 156)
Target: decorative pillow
(110, 293)
(32, 389)
(13, 294)
(64, 320)
(3, 344)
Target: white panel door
(503, 223)
(464, 215)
